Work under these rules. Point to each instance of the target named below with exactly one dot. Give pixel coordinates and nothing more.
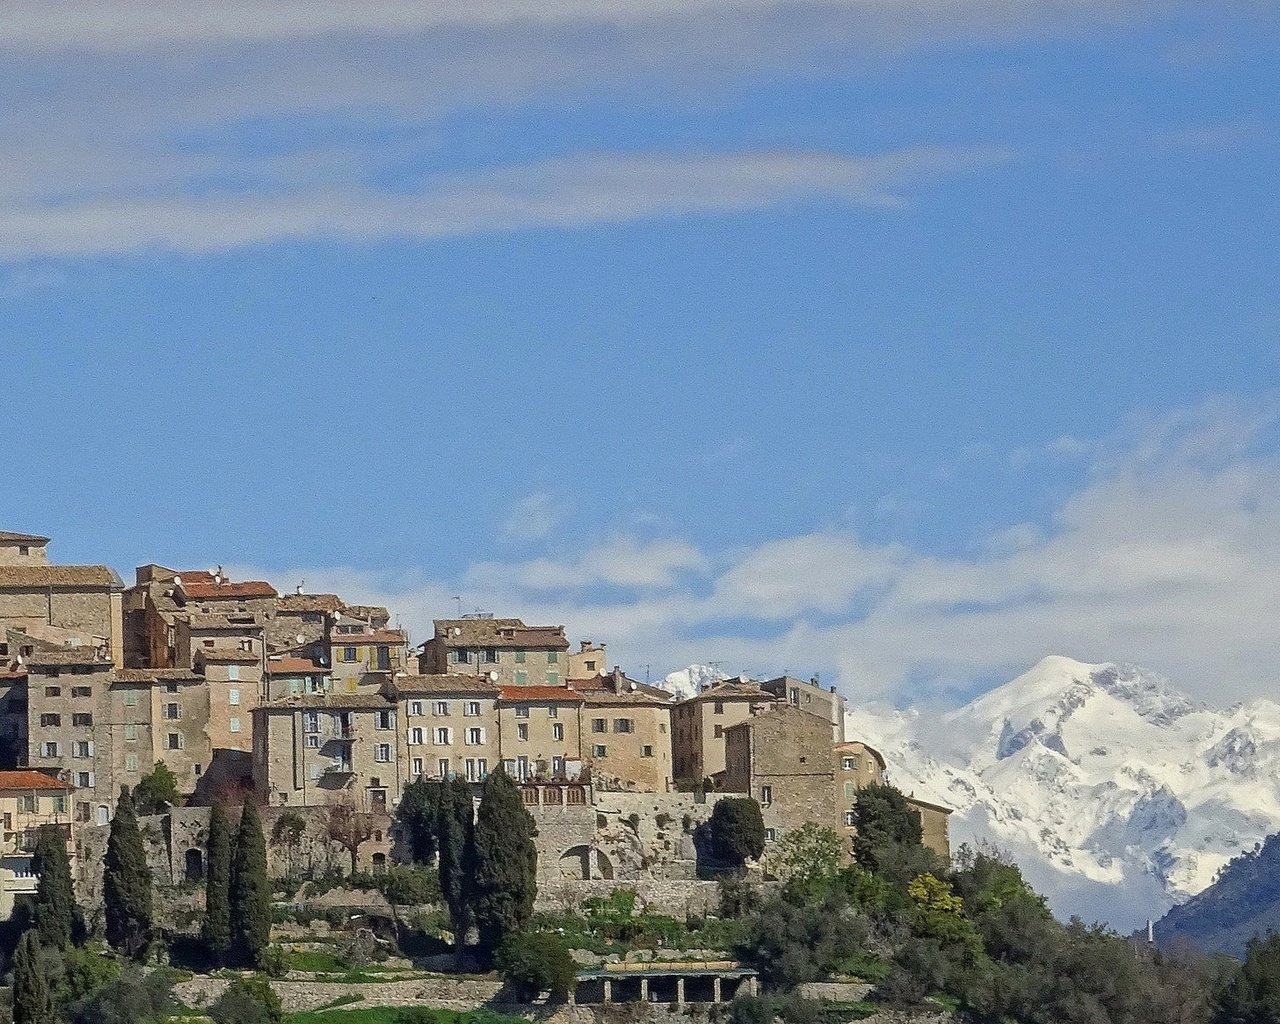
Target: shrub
(536, 962)
(738, 898)
(275, 961)
(132, 998)
(733, 834)
(411, 886)
(247, 1001)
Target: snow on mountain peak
(1117, 793)
(689, 682)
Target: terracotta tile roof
(445, 685)
(527, 694)
(332, 701)
(156, 675)
(21, 538)
(25, 780)
(300, 603)
(229, 654)
(734, 689)
(368, 612)
(69, 656)
(292, 666)
(498, 633)
(378, 636)
(225, 591)
(618, 685)
(222, 621)
(191, 576)
(22, 576)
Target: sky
(898, 341)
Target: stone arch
(582, 863)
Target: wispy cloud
(533, 517)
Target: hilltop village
(302, 701)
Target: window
(848, 817)
(173, 741)
(598, 750)
(475, 736)
(557, 767)
(52, 750)
(795, 696)
(417, 766)
(130, 733)
(462, 656)
(766, 795)
(553, 657)
(384, 658)
(599, 725)
(491, 655)
(553, 679)
(471, 709)
(440, 707)
(131, 763)
(311, 721)
(348, 654)
(553, 711)
(415, 736)
(313, 741)
(443, 737)
(471, 770)
(522, 768)
(646, 750)
(233, 698)
(53, 691)
(207, 643)
(770, 835)
(522, 677)
(415, 708)
(233, 672)
(84, 779)
(442, 766)
(520, 655)
(719, 708)
(482, 768)
(172, 711)
(382, 752)
(522, 711)
(719, 731)
(27, 802)
(23, 549)
(591, 666)
(557, 732)
(82, 811)
(82, 691)
(849, 764)
(83, 719)
(197, 769)
(235, 725)
(522, 731)
(850, 790)
(169, 688)
(48, 721)
(295, 686)
(131, 698)
(622, 725)
(83, 748)
(382, 720)
(315, 772)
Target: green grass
(391, 1015)
(316, 960)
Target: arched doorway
(582, 863)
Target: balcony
(345, 768)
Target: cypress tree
(250, 891)
(506, 872)
(32, 1003)
(57, 918)
(126, 882)
(217, 883)
(418, 818)
(457, 855)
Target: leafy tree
(807, 860)
(418, 818)
(734, 833)
(940, 915)
(1252, 996)
(132, 998)
(216, 930)
(287, 835)
(156, 792)
(888, 836)
(506, 862)
(457, 855)
(349, 826)
(126, 882)
(250, 892)
(247, 1001)
(32, 1003)
(57, 917)
(536, 962)
(85, 971)
(790, 942)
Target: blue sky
(900, 341)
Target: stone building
(13, 711)
(626, 733)
(364, 658)
(151, 607)
(197, 633)
(82, 603)
(28, 800)
(290, 677)
(449, 725)
(540, 731)
(506, 650)
(588, 660)
(322, 749)
(782, 756)
(23, 549)
(302, 622)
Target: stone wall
(677, 898)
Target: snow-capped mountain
(687, 682)
(1118, 795)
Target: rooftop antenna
(458, 598)
(646, 675)
(715, 668)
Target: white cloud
(564, 193)
(533, 517)
(1167, 558)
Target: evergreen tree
(156, 792)
(735, 832)
(888, 838)
(418, 818)
(250, 891)
(506, 862)
(457, 855)
(57, 918)
(32, 1003)
(126, 882)
(217, 884)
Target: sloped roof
(26, 780)
(332, 701)
(226, 591)
(22, 576)
(292, 666)
(498, 633)
(445, 685)
(378, 636)
(539, 694)
(8, 537)
(301, 603)
(69, 656)
(156, 675)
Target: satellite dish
(493, 677)
(300, 638)
(457, 631)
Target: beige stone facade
(506, 650)
(23, 549)
(363, 659)
(540, 731)
(698, 725)
(28, 801)
(449, 726)
(626, 733)
(589, 660)
(82, 601)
